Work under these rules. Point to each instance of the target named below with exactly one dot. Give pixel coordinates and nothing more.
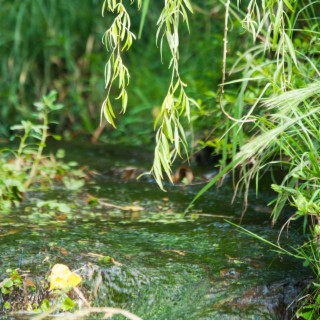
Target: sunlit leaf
(62, 278)
(132, 208)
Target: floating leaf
(132, 208)
(179, 252)
(104, 259)
(64, 251)
(73, 184)
(45, 305)
(124, 208)
(62, 278)
(28, 282)
(7, 283)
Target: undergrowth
(26, 166)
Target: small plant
(9, 285)
(311, 307)
(27, 165)
(13, 281)
(40, 134)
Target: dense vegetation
(263, 117)
(68, 56)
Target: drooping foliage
(170, 133)
(269, 95)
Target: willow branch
(224, 62)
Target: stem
(22, 141)
(224, 62)
(19, 160)
(40, 150)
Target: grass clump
(274, 122)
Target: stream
(165, 265)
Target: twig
(224, 62)
(108, 313)
(81, 296)
(97, 133)
(282, 228)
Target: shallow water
(172, 266)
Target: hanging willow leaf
(117, 38)
(108, 111)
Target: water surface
(168, 266)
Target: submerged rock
(278, 300)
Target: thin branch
(224, 62)
(108, 313)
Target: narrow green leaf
(107, 74)
(168, 129)
(288, 4)
(188, 5)
(291, 49)
(145, 6)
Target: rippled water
(167, 266)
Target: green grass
(278, 88)
(46, 45)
